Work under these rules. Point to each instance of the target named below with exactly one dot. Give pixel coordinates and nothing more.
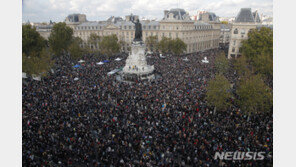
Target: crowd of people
(99, 121)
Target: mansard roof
(246, 15)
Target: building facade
(244, 22)
(225, 34)
(176, 23)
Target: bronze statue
(138, 26)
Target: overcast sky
(57, 10)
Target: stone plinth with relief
(136, 66)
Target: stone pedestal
(136, 66)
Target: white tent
(160, 55)
(118, 59)
(81, 61)
(36, 77)
(113, 72)
(75, 79)
(24, 75)
(205, 60)
(100, 63)
(186, 59)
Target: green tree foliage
(218, 92)
(152, 43)
(258, 49)
(221, 63)
(178, 46)
(31, 40)
(165, 45)
(37, 63)
(224, 22)
(241, 66)
(60, 38)
(109, 45)
(122, 44)
(75, 50)
(93, 41)
(168, 45)
(254, 95)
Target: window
(234, 42)
(154, 27)
(149, 27)
(233, 49)
(144, 27)
(235, 31)
(129, 27)
(242, 31)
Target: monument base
(136, 67)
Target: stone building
(176, 23)
(225, 34)
(244, 22)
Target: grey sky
(57, 10)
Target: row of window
(149, 27)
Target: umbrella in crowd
(77, 66)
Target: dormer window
(235, 31)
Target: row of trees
(166, 45)
(251, 90)
(109, 44)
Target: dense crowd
(98, 121)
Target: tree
(60, 38)
(178, 46)
(221, 63)
(75, 50)
(165, 45)
(224, 22)
(37, 64)
(218, 92)
(254, 95)
(122, 44)
(31, 40)
(93, 41)
(109, 45)
(241, 66)
(258, 49)
(152, 43)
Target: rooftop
(245, 15)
